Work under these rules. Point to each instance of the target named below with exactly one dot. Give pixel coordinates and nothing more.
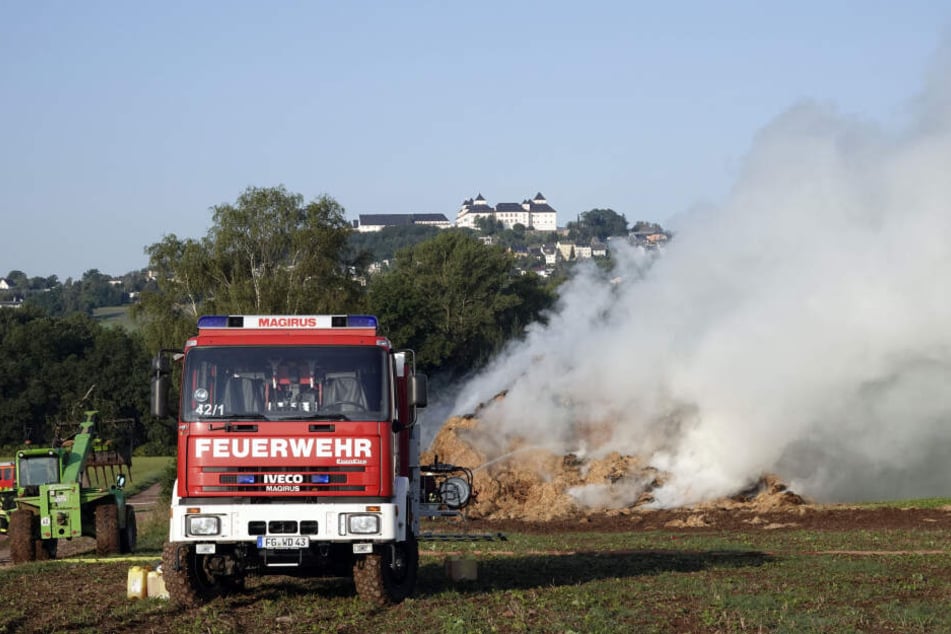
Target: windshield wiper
(314, 416)
(240, 416)
(233, 427)
(230, 426)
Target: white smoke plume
(803, 327)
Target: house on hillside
(534, 214)
(5, 284)
(375, 222)
(551, 254)
(649, 239)
(473, 209)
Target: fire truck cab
(297, 454)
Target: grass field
(146, 470)
(859, 580)
(114, 316)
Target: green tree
(488, 225)
(18, 280)
(266, 253)
(455, 301)
(599, 224)
(383, 244)
(94, 290)
(53, 368)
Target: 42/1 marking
(210, 409)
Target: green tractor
(53, 501)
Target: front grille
(258, 527)
(271, 479)
(282, 527)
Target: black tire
(22, 536)
(188, 581)
(45, 549)
(130, 534)
(107, 529)
(388, 576)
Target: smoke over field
(803, 327)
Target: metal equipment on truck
(298, 453)
(53, 502)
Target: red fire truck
(8, 493)
(297, 454)
(7, 476)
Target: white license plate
(283, 542)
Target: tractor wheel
(129, 535)
(388, 576)
(107, 529)
(45, 549)
(22, 536)
(187, 579)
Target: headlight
(363, 524)
(203, 525)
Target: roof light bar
(287, 321)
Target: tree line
(94, 290)
(453, 299)
(54, 368)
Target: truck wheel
(390, 575)
(107, 529)
(22, 537)
(130, 534)
(188, 583)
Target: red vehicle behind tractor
(8, 492)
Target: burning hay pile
(526, 482)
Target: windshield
(283, 382)
(39, 470)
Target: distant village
(533, 215)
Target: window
(286, 383)
(39, 470)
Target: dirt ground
(731, 518)
(807, 517)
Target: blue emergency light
(361, 321)
(245, 478)
(320, 478)
(213, 321)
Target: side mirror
(159, 396)
(161, 383)
(418, 390)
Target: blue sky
(124, 122)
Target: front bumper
(320, 523)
